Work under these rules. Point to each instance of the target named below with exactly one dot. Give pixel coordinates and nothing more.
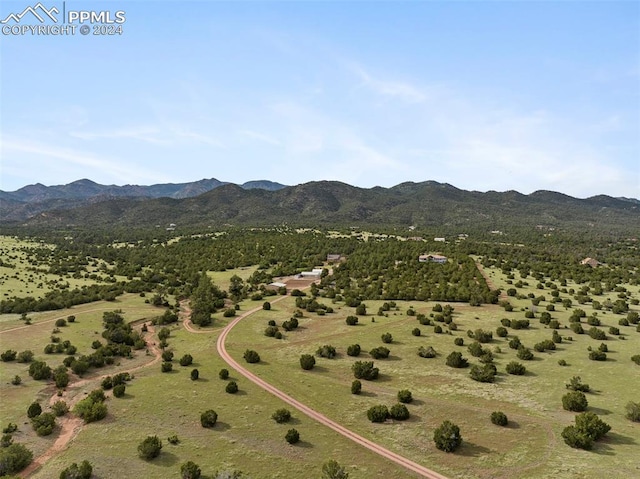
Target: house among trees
(335, 258)
(432, 258)
(590, 262)
(315, 273)
(440, 240)
(276, 285)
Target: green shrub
(499, 418)
(60, 408)
(378, 413)
(399, 412)
(232, 387)
(365, 370)
(574, 401)
(83, 471)
(632, 411)
(190, 470)
(251, 356)
(516, 368)
(186, 360)
(326, 351)
(353, 350)
(356, 387)
(307, 362)
(447, 437)
(455, 360)
(150, 448)
(34, 410)
(379, 353)
(208, 418)
(405, 396)
(292, 436)
(14, 459)
(119, 390)
(223, 374)
(281, 416)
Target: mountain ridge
(426, 203)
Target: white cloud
(260, 137)
(389, 88)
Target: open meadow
(246, 438)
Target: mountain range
(30, 200)
(214, 203)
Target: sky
(483, 95)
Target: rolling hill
(334, 203)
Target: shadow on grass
(392, 358)
(368, 394)
(303, 445)
(613, 438)
(412, 418)
(201, 380)
(469, 449)
(599, 411)
(221, 426)
(383, 378)
(240, 392)
(165, 459)
(513, 425)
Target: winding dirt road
(315, 415)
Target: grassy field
(246, 439)
(21, 275)
(530, 448)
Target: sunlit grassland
(222, 278)
(81, 333)
(245, 437)
(531, 448)
(21, 276)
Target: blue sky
(481, 95)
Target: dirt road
(376, 448)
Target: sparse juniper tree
(405, 396)
(356, 387)
(190, 470)
(307, 362)
(332, 470)
(574, 401)
(208, 418)
(75, 471)
(150, 448)
(399, 412)
(499, 418)
(353, 350)
(365, 370)
(632, 410)
(455, 360)
(447, 437)
(251, 356)
(281, 416)
(292, 436)
(378, 413)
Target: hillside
(329, 202)
(30, 200)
